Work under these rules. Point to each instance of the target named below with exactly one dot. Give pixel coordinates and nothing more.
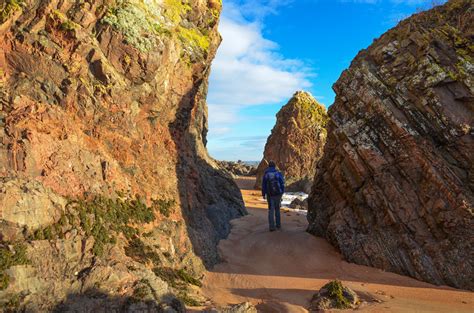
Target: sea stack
(395, 188)
(296, 142)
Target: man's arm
(264, 185)
(282, 182)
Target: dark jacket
(281, 180)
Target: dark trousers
(274, 204)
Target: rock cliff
(107, 192)
(296, 142)
(395, 188)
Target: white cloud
(248, 70)
(220, 131)
(220, 116)
(248, 148)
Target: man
(273, 187)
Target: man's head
(271, 164)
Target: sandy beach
(280, 271)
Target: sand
(280, 271)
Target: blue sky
(272, 48)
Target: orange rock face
(394, 189)
(296, 142)
(106, 99)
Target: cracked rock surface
(395, 188)
(108, 196)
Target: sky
(272, 48)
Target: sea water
(288, 197)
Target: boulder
(299, 204)
(334, 295)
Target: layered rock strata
(107, 192)
(296, 142)
(395, 188)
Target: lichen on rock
(139, 25)
(143, 24)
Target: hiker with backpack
(273, 187)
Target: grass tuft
(140, 252)
(176, 278)
(9, 258)
(103, 218)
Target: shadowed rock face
(394, 189)
(296, 142)
(105, 179)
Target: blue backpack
(273, 184)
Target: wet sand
(280, 271)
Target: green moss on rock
(68, 26)
(11, 257)
(176, 278)
(334, 295)
(8, 8)
(188, 300)
(103, 219)
(186, 277)
(141, 291)
(179, 280)
(13, 303)
(335, 291)
(62, 22)
(165, 207)
(142, 253)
